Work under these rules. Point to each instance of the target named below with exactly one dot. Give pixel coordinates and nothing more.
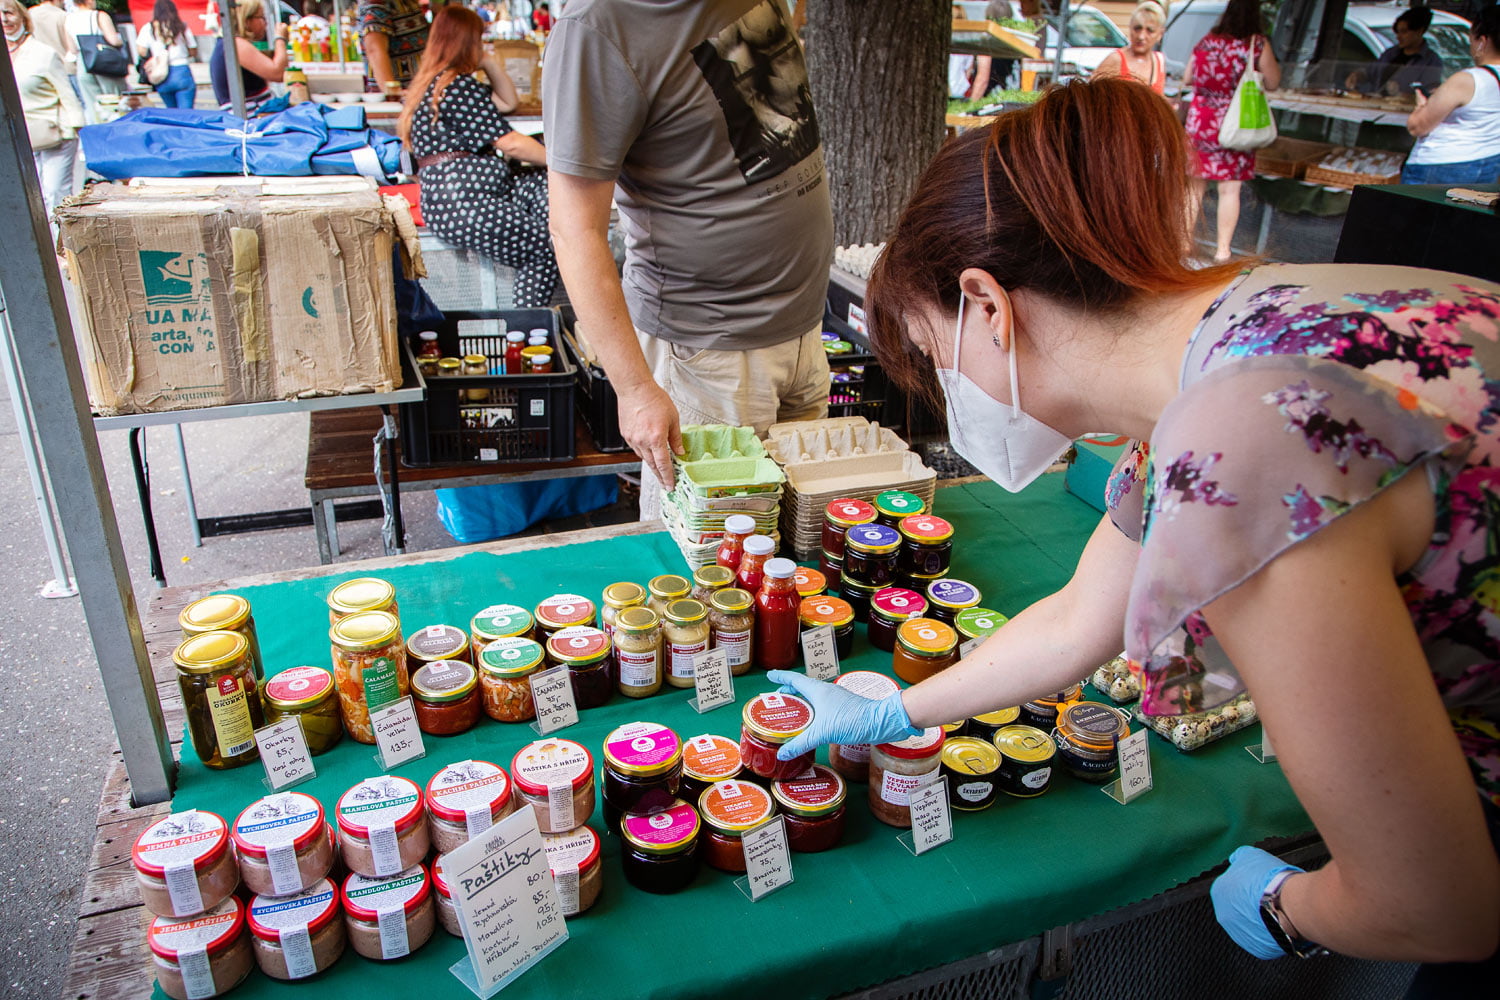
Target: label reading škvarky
(552, 692)
(820, 653)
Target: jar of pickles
(1086, 735)
(562, 611)
(852, 760)
(664, 590)
(308, 693)
(659, 851)
(810, 582)
(708, 580)
(585, 652)
(618, 597)
(437, 642)
(812, 806)
(977, 623)
(505, 669)
(685, 634)
(223, 613)
(363, 594)
(705, 760)
(870, 555)
(1042, 712)
(642, 770)
(217, 681)
(947, 597)
(888, 609)
(926, 544)
(731, 626)
(637, 643)
(369, 667)
(835, 613)
(893, 505)
(728, 809)
(838, 517)
(924, 646)
(446, 697)
(499, 621)
(767, 722)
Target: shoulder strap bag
(1248, 123)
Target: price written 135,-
(283, 751)
(397, 734)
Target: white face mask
(1003, 442)
(19, 34)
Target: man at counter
(392, 35)
(698, 120)
(1407, 64)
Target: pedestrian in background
(1140, 61)
(86, 21)
(1458, 130)
(53, 112)
(166, 37)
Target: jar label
(548, 762)
(386, 892)
(566, 882)
(181, 838)
(501, 620)
(779, 713)
(711, 757)
(953, 592)
(437, 641)
(385, 848)
(566, 609)
(182, 886)
(286, 876)
(441, 677)
(296, 948)
(737, 805)
(230, 709)
(574, 850)
(820, 786)
(468, 784)
(284, 914)
(1037, 778)
(278, 819)
(855, 753)
(642, 744)
(380, 682)
(197, 972)
(868, 684)
(975, 791)
(897, 788)
(206, 930)
(899, 602)
(578, 642)
(638, 669)
(851, 510)
(384, 800)
(674, 826)
(394, 941)
(298, 684)
(736, 645)
(560, 805)
(682, 656)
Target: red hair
(455, 47)
(1081, 197)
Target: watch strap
(1278, 925)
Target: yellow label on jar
(229, 707)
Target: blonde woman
(257, 70)
(1139, 61)
(53, 112)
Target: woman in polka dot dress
(471, 195)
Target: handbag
(1248, 123)
(44, 132)
(154, 69)
(101, 58)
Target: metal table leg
(393, 461)
(187, 488)
(143, 490)
(331, 525)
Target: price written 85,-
(283, 751)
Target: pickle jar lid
(776, 717)
(476, 359)
(579, 645)
(365, 630)
(825, 610)
(898, 603)
(671, 831)
(868, 684)
(817, 792)
(927, 743)
(624, 595)
(278, 818)
(468, 786)
(899, 503)
(1024, 743)
(978, 623)
(968, 755)
(847, 513)
(714, 576)
(732, 601)
(952, 594)
(925, 529)
(875, 539)
(636, 619)
(218, 611)
(686, 612)
(1003, 717)
(562, 610)
(642, 749)
(669, 586)
(298, 688)
(810, 582)
(194, 835)
(733, 806)
(926, 637)
(315, 908)
(576, 850)
(711, 758)
(210, 651)
(449, 363)
(366, 897)
(213, 931)
(384, 799)
(443, 681)
(499, 621)
(1092, 723)
(437, 642)
(364, 594)
(510, 657)
(543, 764)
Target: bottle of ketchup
(515, 342)
(777, 623)
(758, 549)
(737, 528)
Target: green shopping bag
(1247, 122)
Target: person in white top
(47, 27)
(52, 110)
(1458, 129)
(166, 37)
(85, 19)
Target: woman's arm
(1270, 69)
(520, 146)
(501, 86)
(1455, 92)
(982, 65)
(1187, 71)
(107, 28)
(1110, 66)
(266, 67)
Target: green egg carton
(722, 477)
(713, 442)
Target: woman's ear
(988, 300)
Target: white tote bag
(1248, 123)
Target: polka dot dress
(479, 202)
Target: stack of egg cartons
(723, 470)
(838, 458)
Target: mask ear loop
(1015, 385)
(958, 331)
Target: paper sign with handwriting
(931, 822)
(397, 734)
(713, 680)
(768, 862)
(552, 691)
(820, 652)
(283, 751)
(1135, 765)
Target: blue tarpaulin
(307, 139)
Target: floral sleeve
(1125, 488)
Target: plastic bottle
(757, 549)
(737, 528)
(777, 625)
(515, 342)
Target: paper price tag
(931, 822)
(968, 646)
(284, 753)
(1135, 765)
(397, 734)
(712, 679)
(552, 691)
(820, 653)
(768, 860)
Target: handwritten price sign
(284, 753)
(713, 679)
(1135, 766)
(552, 691)
(768, 862)
(931, 821)
(820, 653)
(397, 734)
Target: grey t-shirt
(701, 111)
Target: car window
(1089, 29)
(1449, 41)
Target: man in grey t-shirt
(696, 117)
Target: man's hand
(649, 424)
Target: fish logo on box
(179, 301)
(173, 278)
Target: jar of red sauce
(832, 568)
(947, 597)
(562, 611)
(810, 582)
(642, 770)
(737, 528)
(776, 617)
(870, 555)
(834, 612)
(758, 549)
(446, 697)
(437, 642)
(766, 722)
(924, 646)
(888, 609)
(729, 809)
(838, 517)
(812, 806)
(926, 544)
(852, 760)
(705, 760)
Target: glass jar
(893, 505)
(447, 910)
(429, 345)
(737, 528)
(369, 667)
(705, 760)
(408, 893)
(977, 623)
(297, 936)
(832, 568)
(586, 653)
(777, 624)
(900, 768)
(1086, 735)
(985, 726)
(659, 851)
(731, 626)
(766, 722)
(924, 646)
(367, 593)
(1026, 755)
(500, 621)
(536, 360)
(832, 611)
(447, 367)
(465, 799)
(223, 613)
(283, 843)
(729, 808)
(752, 571)
(709, 580)
(642, 770)
(917, 581)
(852, 760)
(870, 554)
(437, 642)
(227, 955)
(838, 517)
(217, 681)
(308, 693)
(505, 669)
(428, 366)
(810, 582)
(926, 545)
(183, 864)
(1041, 713)
(382, 826)
(664, 590)
(556, 778)
(446, 697)
(637, 642)
(812, 806)
(618, 597)
(577, 868)
(685, 634)
(476, 364)
(947, 597)
(971, 766)
(562, 611)
(888, 609)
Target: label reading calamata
(381, 682)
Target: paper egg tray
(710, 526)
(722, 477)
(799, 447)
(754, 504)
(802, 514)
(1198, 729)
(702, 442)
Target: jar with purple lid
(871, 552)
(947, 597)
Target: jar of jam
(308, 693)
(838, 517)
(870, 554)
(766, 722)
(970, 765)
(812, 806)
(369, 667)
(1026, 757)
(1041, 713)
(437, 642)
(642, 770)
(223, 613)
(637, 642)
(947, 597)
(810, 582)
(446, 697)
(705, 760)
(888, 609)
(833, 611)
(776, 617)
(618, 597)
(926, 544)
(900, 768)
(708, 580)
(586, 653)
(893, 505)
(505, 669)
(665, 589)
(916, 581)
(1086, 735)
(363, 594)
(924, 646)
(728, 809)
(659, 851)
(752, 571)
(500, 621)
(852, 760)
(464, 800)
(217, 681)
(685, 634)
(556, 778)
(731, 626)
(985, 726)
(860, 597)
(832, 568)
(737, 528)
(977, 623)
(562, 611)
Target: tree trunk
(878, 70)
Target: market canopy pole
(227, 38)
(43, 338)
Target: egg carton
(1198, 729)
(802, 514)
(708, 442)
(699, 554)
(754, 504)
(858, 259)
(1116, 680)
(796, 446)
(847, 477)
(725, 477)
(702, 528)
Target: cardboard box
(522, 61)
(232, 294)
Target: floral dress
(1305, 391)
(1218, 63)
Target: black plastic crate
(860, 387)
(597, 402)
(492, 418)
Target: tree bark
(878, 72)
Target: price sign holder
(768, 860)
(712, 680)
(1135, 769)
(931, 819)
(1262, 751)
(398, 738)
(968, 646)
(820, 653)
(284, 754)
(552, 693)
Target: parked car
(1091, 36)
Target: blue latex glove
(840, 716)
(1236, 895)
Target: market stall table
(1417, 225)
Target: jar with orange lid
(926, 544)
(1041, 713)
(309, 694)
(1087, 735)
(446, 697)
(709, 580)
(685, 634)
(437, 642)
(852, 760)
(369, 667)
(705, 760)
(223, 613)
(638, 656)
(665, 589)
(728, 809)
(893, 505)
(500, 621)
(834, 612)
(766, 723)
(812, 805)
(731, 626)
(947, 597)
(810, 582)
(838, 517)
(586, 653)
(363, 594)
(204, 956)
(618, 597)
(888, 609)
(899, 768)
(924, 647)
(219, 691)
(562, 611)
(505, 669)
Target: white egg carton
(798, 446)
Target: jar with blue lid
(871, 552)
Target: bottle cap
(760, 545)
(739, 524)
(516, 337)
(780, 569)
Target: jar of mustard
(618, 597)
(223, 613)
(731, 625)
(369, 667)
(685, 634)
(708, 580)
(217, 681)
(638, 660)
(665, 589)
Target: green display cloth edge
(856, 916)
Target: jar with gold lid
(449, 366)
(226, 613)
(476, 364)
(708, 580)
(363, 594)
(665, 589)
(217, 681)
(618, 597)
(369, 667)
(437, 642)
(637, 644)
(685, 634)
(309, 694)
(731, 626)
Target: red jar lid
(364, 897)
(847, 513)
(543, 763)
(578, 644)
(735, 806)
(276, 819)
(316, 906)
(192, 835)
(215, 930)
(927, 743)
(468, 784)
(925, 528)
(817, 793)
(776, 717)
(575, 849)
(562, 610)
(711, 758)
(382, 799)
(298, 687)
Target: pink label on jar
(642, 744)
(671, 827)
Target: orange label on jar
(927, 635)
(711, 756)
(735, 805)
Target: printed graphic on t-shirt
(756, 71)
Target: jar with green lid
(707, 580)
(505, 669)
(731, 626)
(369, 667)
(308, 694)
(227, 613)
(892, 505)
(222, 699)
(665, 589)
(637, 644)
(500, 621)
(977, 623)
(364, 594)
(685, 634)
(618, 597)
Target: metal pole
(232, 56)
(336, 33)
(1063, 16)
(187, 489)
(53, 378)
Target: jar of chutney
(888, 609)
(659, 851)
(926, 544)
(893, 505)
(446, 697)
(924, 646)
(834, 612)
(838, 517)
(870, 555)
(585, 652)
(642, 770)
(947, 597)
(812, 806)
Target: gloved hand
(841, 716)
(1236, 895)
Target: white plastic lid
(739, 524)
(780, 569)
(537, 339)
(540, 331)
(428, 335)
(760, 545)
(516, 335)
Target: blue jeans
(1470, 172)
(178, 90)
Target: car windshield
(1090, 29)
(1449, 41)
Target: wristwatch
(1280, 925)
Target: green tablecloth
(856, 916)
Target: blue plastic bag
(482, 513)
